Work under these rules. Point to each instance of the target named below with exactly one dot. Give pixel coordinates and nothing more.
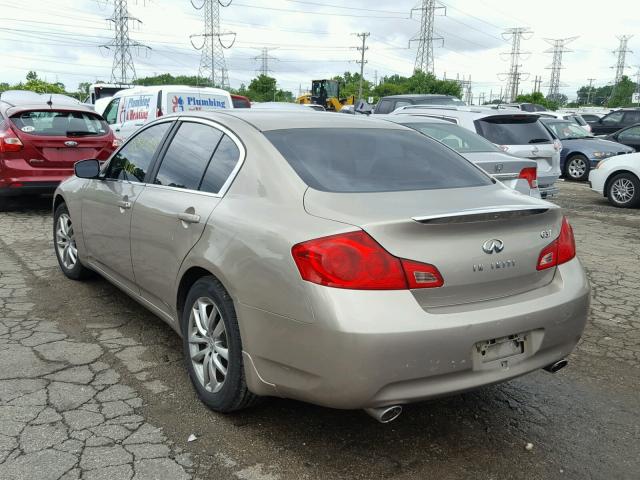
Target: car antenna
(50, 101)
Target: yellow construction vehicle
(326, 93)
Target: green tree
(539, 98)
(264, 88)
(622, 93)
(419, 82)
(36, 84)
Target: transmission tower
(425, 38)
(558, 48)
(212, 64)
(123, 70)
(514, 75)
(264, 58)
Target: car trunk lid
(458, 231)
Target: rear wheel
(577, 168)
(64, 239)
(213, 348)
(623, 190)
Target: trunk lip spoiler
(484, 210)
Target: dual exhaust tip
(389, 414)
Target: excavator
(326, 93)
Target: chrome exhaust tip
(554, 367)
(385, 414)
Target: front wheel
(577, 168)
(623, 190)
(213, 348)
(64, 239)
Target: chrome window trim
(227, 184)
(477, 211)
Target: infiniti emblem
(494, 245)
(71, 143)
(535, 150)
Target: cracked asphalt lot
(92, 386)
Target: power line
(123, 70)
(425, 38)
(558, 48)
(515, 75)
(212, 63)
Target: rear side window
(632, 117)
(373, 160)
(613, 118)
(133, 159)
(60, 123)
(222, 164)
(513, 130)
(453, 136)
(384, 106)
(188, 155)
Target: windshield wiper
(80, 133)
(539, 140)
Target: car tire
(219, 383)
(623, 190)
(64, 244)
(577, 168)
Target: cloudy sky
(60, 39)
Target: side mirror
(87, 168)
(363, 108)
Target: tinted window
(111, 112)
(187, 156)
(384, 106)
(613, 118)
(566, 130)
(631, 135)
(222, 164)
(458, 138)
(373, 160)
(513, 130)
(60, 123)
(401, 103)
(590, 118)
(133, 159)
(632, 117)
(240, 102)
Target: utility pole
(514, 75)
(558, 48)
(212, 64)
(375, 78)
(362, 61)
(123, 70)
(465, 86)
(425, 38)
(638, 85)
(591, 80)
(264, 58)
(537, 83)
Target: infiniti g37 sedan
(387, 271)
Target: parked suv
(614, 121)
(390, 103)
(42, 136)
(517, 133)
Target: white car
(131, 108)
(618, 179)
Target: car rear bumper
(368, 349)
(29, 180)
(548, 190)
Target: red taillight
(530, 174)
(9, 142)
(356, 261)
(561, 250)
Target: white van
(131, 108)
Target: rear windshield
(513, 130)
(240, 102)
(373, 160)
(453, 136)
(60, 123)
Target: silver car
(517, 173)
(517, 133)
(386, 271)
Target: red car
(41, 140)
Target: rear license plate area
(500, 352)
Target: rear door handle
(189, 217)
(124, 204)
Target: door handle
(124, 204)
(189, 217)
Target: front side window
(458, 138)
(188, 155)
(513, 130)
(631, 135)
(111, 112)
(60, 123)
(613, 118)
(132, 161)
(222, 164)
(373, 160)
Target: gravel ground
(92, 386)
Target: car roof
(141, 90)
(473, 111)
(10, 109)
(418, 95)
(402, 119)
(265, 120)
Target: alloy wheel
(577, 168)
(66, 242)
(208, 345)
(623, 190)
